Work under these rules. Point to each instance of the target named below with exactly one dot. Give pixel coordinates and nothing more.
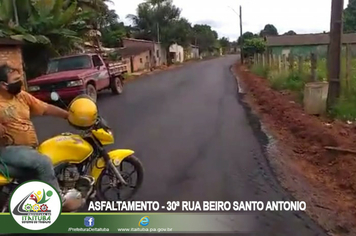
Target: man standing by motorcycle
(18, 138)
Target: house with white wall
(191, 52)
(176, 53)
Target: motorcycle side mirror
(54, 96)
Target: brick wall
(141, 61)
(159, 54)
(13, 54)
(127, 61)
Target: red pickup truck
(70, 76)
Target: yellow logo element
(36, 207)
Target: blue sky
(302, 16)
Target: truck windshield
(69, 63)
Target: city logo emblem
(35, 205)
(89, 221)
(144, 221)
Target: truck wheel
(117, 87)
(91, 91)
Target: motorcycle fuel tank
(66, 148)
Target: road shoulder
(297, 155)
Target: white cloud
(302, 16)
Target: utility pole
(334, 55)
(157, 32)
(241, 42)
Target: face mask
(14, 88)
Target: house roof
(139, 40)
(8, 41)
(306, 39)
(132, 51)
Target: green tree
(350, 17)
(245, 36)
(225, 44)
(290, 32)
(181, 32)
(153, 17)
(163, 15)
(234, 45)
(253, 46)
(101, 16)
(112, 30)
(206, 38)
(160, 20)
(269, 30)
(112, 35)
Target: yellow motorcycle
(82, 165)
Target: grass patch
(260, 70)
(126, 75)
(345, 108)
(293, 81)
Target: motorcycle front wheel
(107, 188)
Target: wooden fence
(289, 63)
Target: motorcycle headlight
(33, 88)
(74, 83)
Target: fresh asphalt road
(195, 142)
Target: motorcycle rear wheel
(136, 163)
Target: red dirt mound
(307, 137)
(311, 131)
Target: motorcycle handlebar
(101, 122)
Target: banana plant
(61, 24)
(48, 22)
(6, 11)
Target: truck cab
(72, 75)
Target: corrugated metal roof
(138, 40)
(306, 39)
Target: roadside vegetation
(312, 156)
(294, 77)
(294, 80)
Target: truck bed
(117, 68)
